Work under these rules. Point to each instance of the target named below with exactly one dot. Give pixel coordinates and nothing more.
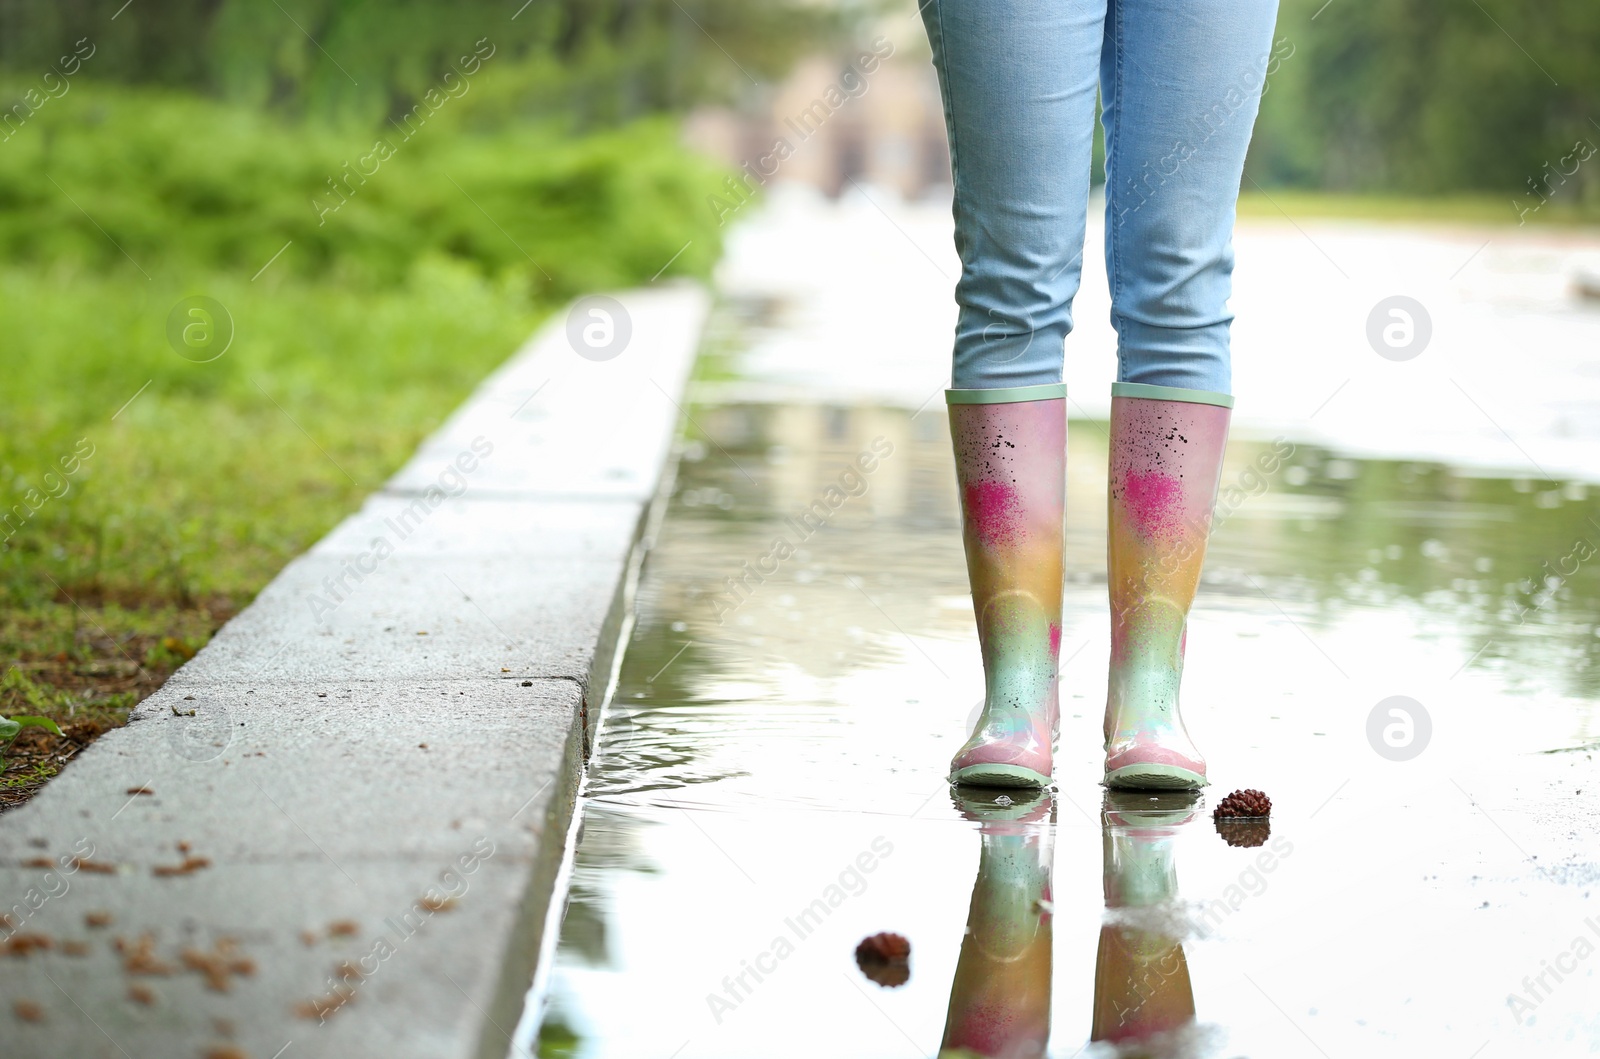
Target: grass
(216, 474)
(197, 478)
(148, 489)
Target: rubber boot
(1166, 459)
(1000, 996)
(1142, 988)
(1011, 451)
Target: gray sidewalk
(336, 831)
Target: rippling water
(769, 789)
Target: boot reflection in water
(1141, 978)
(1000, 999)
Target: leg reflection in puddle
(1000, 999)
(1143, 999)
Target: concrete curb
(338, 828)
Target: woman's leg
(1000, 995)
(1181, 82)
(1141, 975)
(1010, 453)
(1018, 80)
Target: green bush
(120, 178)
(355, 342)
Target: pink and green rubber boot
(1000, 995)
(1143, 997)
(1166, 461)
(1011, 451)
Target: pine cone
(1244, 830)
(883, 958)
(1245, 803)
(884, 946)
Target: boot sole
(1154, 778)
(998, 776)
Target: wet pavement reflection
(1402, 655)
(1000, 995)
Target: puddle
(768, 788)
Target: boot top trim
(1049, 391)
(1168, 393)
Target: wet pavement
(1402, 655)
(1395, 638)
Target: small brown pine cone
(1245, 803)
(883, 958)
(889, 975)
(884, 946)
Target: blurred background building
(881, 127)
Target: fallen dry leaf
(217, 966)
(321, 1007)
(98, 867)
(22, 944)
(189, 866)
(139, 957)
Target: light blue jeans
(1180, 82)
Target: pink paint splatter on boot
(1055, 640)
(996, 512)
(1155, 502)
